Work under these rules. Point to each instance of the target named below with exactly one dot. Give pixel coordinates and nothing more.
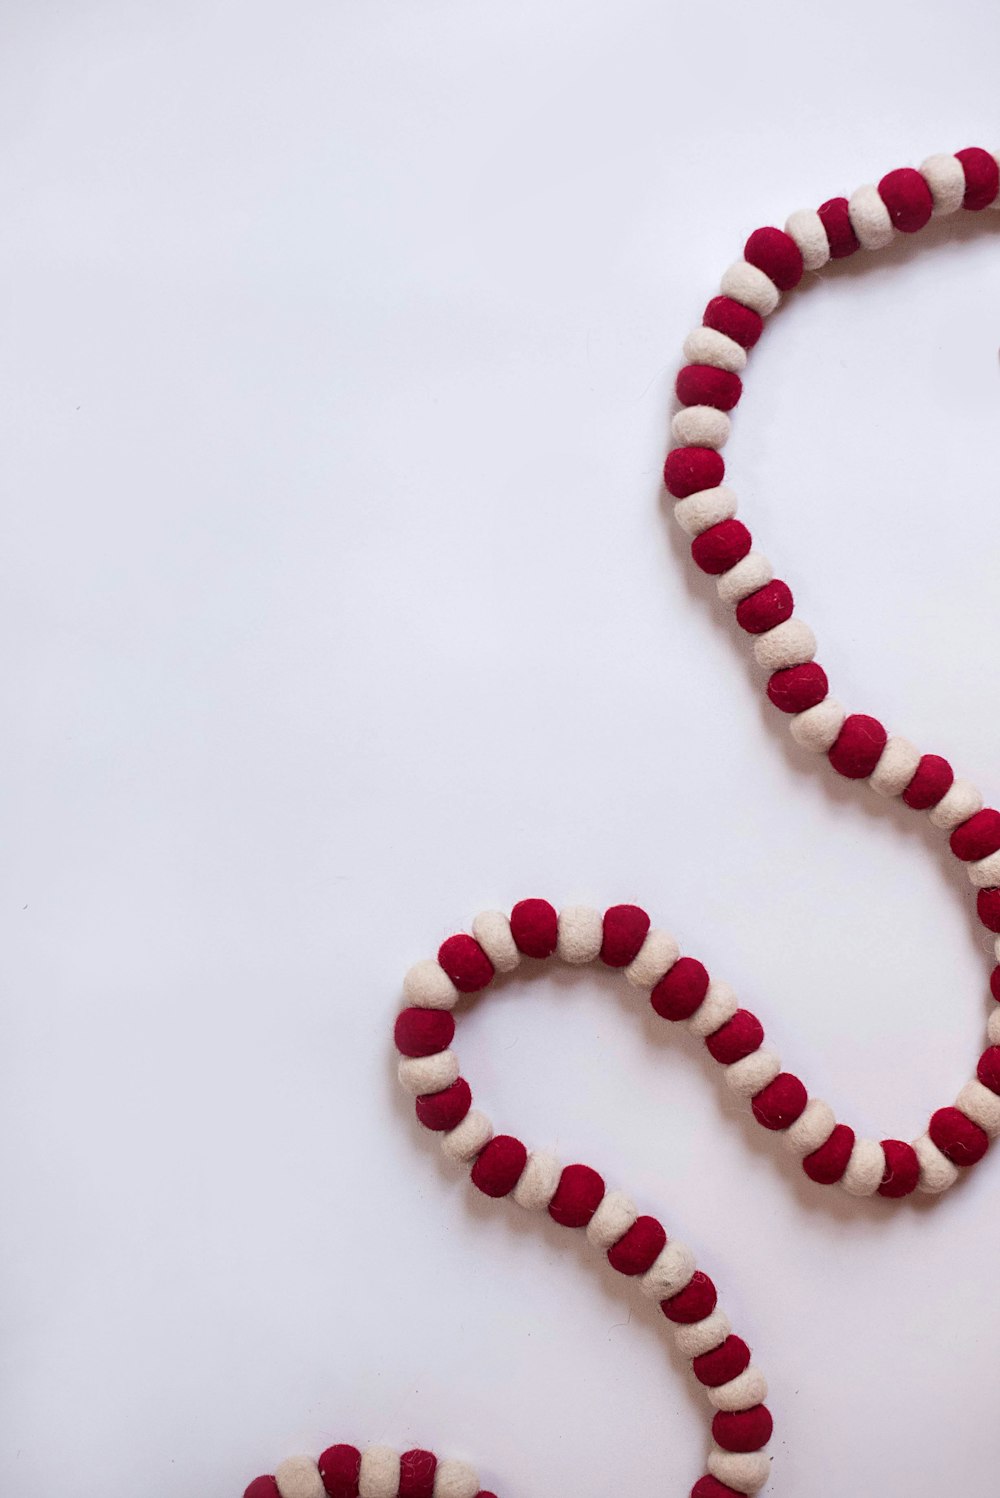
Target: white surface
(337, 604)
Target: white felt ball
(672, 1270)
(993, 1025)
(787, 644)
(945, 177)
(960, 802)
(936, 1171)
(580, 934)
(806, 228)
(746, 1471)
(421, 1075)
(654, 958)
(751, 1075)
(492, 931)
(468, 1138)
(870, 218)
(379, 1476)
(896, 767)
(455, 1480)
(298, 1477)
(817, 728)
(812, 1128)
(538, 1181)
(996, 949)
(865, 1168)
(612, 1220)
(707, 346)
(716, 1008)
(427, 986)
(708, 507)
(749, 574)
(741, 1393)
(701, 426)
(982, 1106)
(748, 285)
(702, 1336)
(985, 872)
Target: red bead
(680, 991)
(859, 747)
(625, 928)
(498, 1168)
(738, 1037)
(840, 235)
(988, 908)
(424, 1032)
(445, 1110)
(777, 255)
(827, 1164)
(743, 1430)
(988, 1070)
(982, 177)
(781, 1102)
(770, 605)
(957, 1137)
(690, 469)
(578, 1196)
(534, 926)
(977, 837)
(696, 1301)
(710, 1487)
(995, 983)
(741, 324)
(902, 1169)
(931, 780)
(262, 1487)
(908, 199)
(798, 687)
(416, 1474)
(465, 962)
(723, 1363)
(340, 1468)
(640, 1247)
(721, 546)
(704, 385)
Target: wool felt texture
(699, 512)
(750, 573)
(706, 345)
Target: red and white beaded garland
(679, 988)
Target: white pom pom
(538, 1182)
(672, 1270)
(818, 728)
(492, 931)
(751, 1075)
(945, 177)
(985, 872)
(865, 1168)
(870, 219)
(960, 802)
(716, 1009)
(581, 934)
(982, 1106)
(427, 986)
(811, 1129)
(708, 507)
(788, 644)
(806, 228)
(706, 346)
(896, 767)
(702, 1336)
(468, 1138)
(298, 1477)
(749, 574)
(700, 426)
(746, 1471)
(611, 1221)
(749, 286)
(654, 958)
(379, 1476)
(455, 1480)
(993, 1025)
(741, 1393)
(421, 1075)
(936, 1171)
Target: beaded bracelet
(679, 988)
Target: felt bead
(722, 1365)
(960, 1140)
(747, 284)
(743, 1430)
(931, 780)
(465, 962)
(455, 1479)
(779, 1104)
(443, 1111)
(995, 984)
(982, 177)
(733, 318)
(937, 1173)
(988, 1068)
(896, 767)
(827, 1164)
(689, 469)
(806, 227)
(638, 1250)
(577, 1196)
(984, 874)
(787, 644)
(908, 199)
(380, 1471)
(535, 928)
(811, 1129)
(672, 1272)
(747, 1472)
(798, 688)
(298, 1477)
(988, 908)
(721, 547)
(959, 802)
(745, 578)
(612, 1220)
(716, 1008)
(653, 960)
(468, 1139)
(498, 1169)
(699, 512)
(978, 836)
(741, 1393)
(946, 180)
(340, 1468)
(710, 1487)
(777, 255)
(701, 426)
(870, 218)
(580, 934)
(698, 1337)
(625, 928)
(858, 747)
(423, 1032)
(416, 1474)
(770, 605)
(538, 1182)
(751, 1075)
(262, 1487)
(427, 986)
(706, 385)
(740, 1036)
(835, 216)
(818, 728)
(902, 1169)
(865, 1168)
(981, 1107)
(423, 1075)
(692, 1304)
(707, 346)
(491, 928)
(679, 992)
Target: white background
(338, 601)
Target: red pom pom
(777, 255)
(988, 1070)
(445, 1110)
(640, 1247)
(578, 1196)
(957, 1137)
(680, 991)
(738, 1037)
(723, 1363)
(262, 1487)
(424, 1032)
(340, 1468)
(625, 928)
(769, 606)
(696, 1301)
(416, 1474)
(710, 1487)
(704, 385)
(982, 177)
(798, 687)
(743, 1430)
(988, 908)
(859, 747)
(902, 1169)
(498, 1168)
(781, 1102)
(827, 1164)
(534, 926)
(721, 546)
(465, 962)
(995, 983)
(690, 469)
(908, 199)
(840, 235)
(741, 324)
(931, 780)
(978, 837)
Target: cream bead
(700, 511)
(818, 727)
(379, 1475)
(655, 957)
(611, 1221)
(982, 1106)
(707, 346)
(701, 426)
(751, 1075)
(812, 1128)
(741, 1393)
(427, 986)
(870, 219)
(466, 1140)
(538, 1181)
(702, 1336)
(946, 179)
(749, 574)
(298, 1477)
(421, 1075)
(455, 1480)
(746, 1471)
(960, 802)
(787, 644)
(936, 1171)
(993, 1025)
(865, 1168)
(985, 872)
(672, 1270)
(806, 228)
(896, 767)
(491, 928)
(716, 1008)
(749, 286)
(580, 934)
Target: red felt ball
(902, 1169)
(710, 1487)
(931, 780)
(625, 928)
(416, 1474)
(723, 1363)
(770, 605)
(781, 1102)
(957, 1137)
(445, 1110)
(798, 687)
(640, 1247)
(262, 1487)
(340, 1468)
(836, 219)
(498, 1168)
(982, 177)
(721, 546)
(777, 255)
(578, 1196)
(690, 469)
(681, 990)
(534, 926)
(995, 983)
(988, 1069)
(977, 837)
(988, 908)
(696, 1301)
(738, 1037)
(465, 962)
(741, 324)
(908, 199)
(858, 747)
(424, 1032)
(704, 385)
(827, 1164)
(743, 1430)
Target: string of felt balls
(679, 987)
